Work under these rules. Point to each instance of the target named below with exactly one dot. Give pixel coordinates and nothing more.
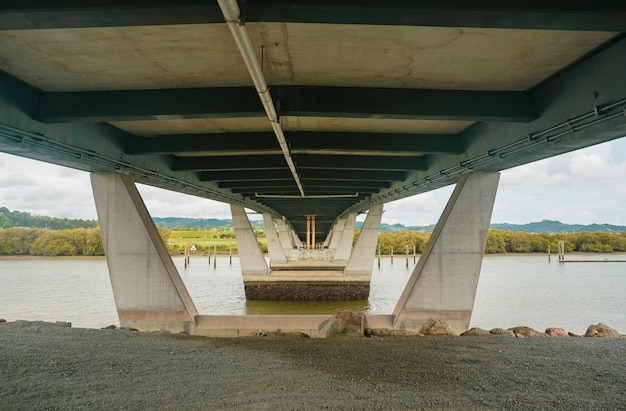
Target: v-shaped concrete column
(274, 247)
(342, 247)
(443, 284)
(148, 291)
(285, 236)
(364, 252)
(250, 256)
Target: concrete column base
(306, 291)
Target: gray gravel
(48, 366)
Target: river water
(513, 290)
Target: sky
(583, 187)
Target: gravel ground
(48, 366)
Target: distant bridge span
(295, 109)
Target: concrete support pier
(303, 272)
(149, 293)
(443, 284)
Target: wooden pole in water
(392, 255)
(185, 256)
(378, 256)
(548, 252)
(561, 251)
(407, 256)
(414, 255)
(215, 256)
(230, 254)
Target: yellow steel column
(308, 232)
(313, 232)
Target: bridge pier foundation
(443, 284)
(307, 274)
(149, 293)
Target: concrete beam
(532, 14)
(443, 284)
(149, 293)
(237, 102)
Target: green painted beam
(530, 14)
(280, 174)
(205, 144)
(261, 162)
(266, 162)
(229, 102)
(300, 143)
(163, 104)
(338, 162)
(360, 102)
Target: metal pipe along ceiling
(232, 15)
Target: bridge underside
(296, 110)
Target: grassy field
(224, 240)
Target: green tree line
(88, 242)
(27, 241)
(21, 219)
(500, 242)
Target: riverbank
(48, 366)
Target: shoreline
(52, 366)
(226, 254)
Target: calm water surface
(513, 290)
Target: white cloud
(165, 203)
(420, 210)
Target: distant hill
(550, 226)
(21, 219)
(181, 222)
(394, 228)
(545, 226)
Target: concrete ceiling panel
(119, 58)
(417, 57)
(194, 126)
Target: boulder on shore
(602, 330)
(556, 332)
(502, 332)
(436, 327)
(525, 332)
(343, 324)
(475, 332)
(390, 332)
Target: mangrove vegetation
(88, 241)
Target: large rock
(390, 332)
(345, 323)
(601, 330)
(476, 332)
(525, 332)
(436, 327)
(502, 332)
(556, 332)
